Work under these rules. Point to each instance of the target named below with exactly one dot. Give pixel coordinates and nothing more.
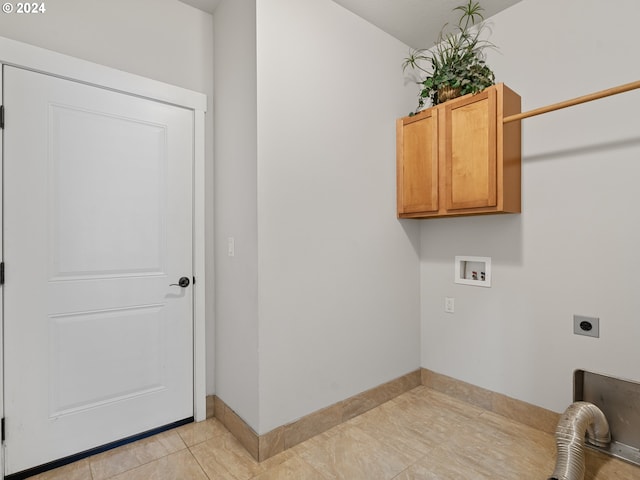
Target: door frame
(40, 60)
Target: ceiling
(206, 5)
(414, 22)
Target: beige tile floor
(420, 435)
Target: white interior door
(97, 225)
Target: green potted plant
(456, 65)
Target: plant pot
(447, 93)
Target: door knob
(183, 282)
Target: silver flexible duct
(578, 419)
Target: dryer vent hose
(578, 419)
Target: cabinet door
(470, 151)
(418, 163)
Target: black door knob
(183, 282)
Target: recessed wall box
(619, 400)
(473, 271)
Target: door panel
(84, 334)
(123, 227)
(419, 173)
(471, 151)
(97, 225)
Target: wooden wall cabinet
(458, 158)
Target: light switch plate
(449, 304)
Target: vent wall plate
(588, 326)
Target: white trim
(52, 63)
(2, 450)
(199, 289)
(41, 60)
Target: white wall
(338, 273)
(574, 247)
(161, 39)
(236, 207)
(165, 40)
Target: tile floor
(420, 435)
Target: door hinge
(2, 116)
(1, 273)
(2, 437)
